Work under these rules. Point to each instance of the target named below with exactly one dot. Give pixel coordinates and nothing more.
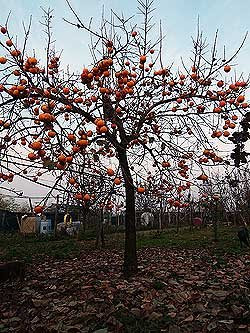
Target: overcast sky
(179, 22)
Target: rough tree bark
(178, 220)
(215, 222)
(100, 242)
(130, 265)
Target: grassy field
(15, 246)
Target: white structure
(73, 229)
(147, 218)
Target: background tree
(10, 204)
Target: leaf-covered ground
(175, 291)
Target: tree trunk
(169, 218)
(83, 220)
(100, 242)
(102, 235)
(160, 217)
(178, 220)
(191, 217)
(216, 222)
(82, 217)
(130, 265)
(56, 214)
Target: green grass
(26, 248)
(203, 238)
(15, 246)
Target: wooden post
(67, 207)
(160, 216)
(31, 208)
(19, 222)
(56, 214)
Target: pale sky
(179, 22)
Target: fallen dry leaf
(185, 293)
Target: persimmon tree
(148, 114)
(233, 189)
(164, 193)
